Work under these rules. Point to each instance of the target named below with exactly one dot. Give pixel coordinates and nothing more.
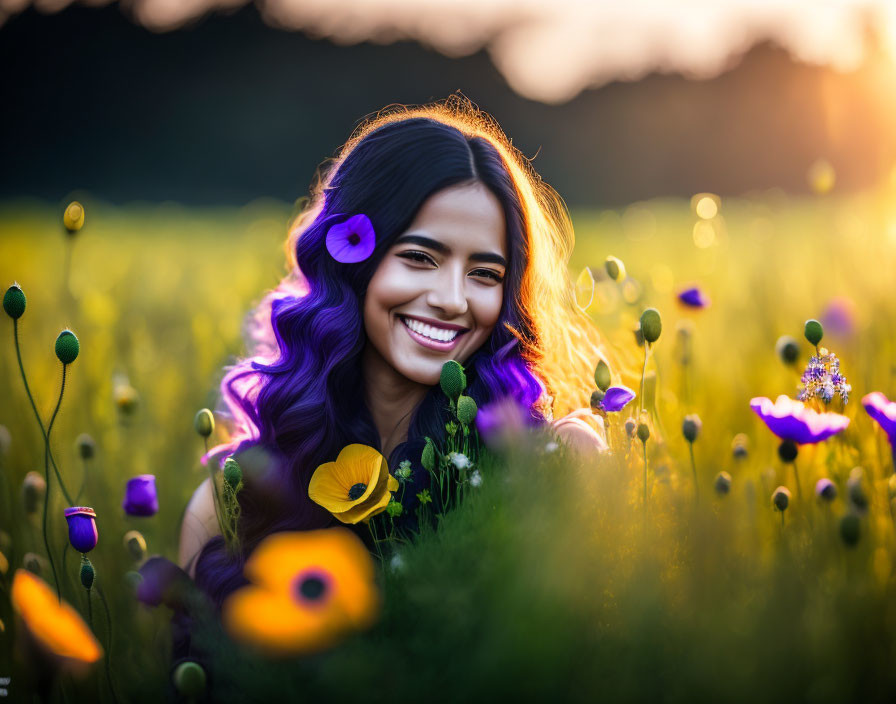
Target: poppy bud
(82, 532)
(781, 498)
(615, 268)
(67, 347)
(722, 483)
(602, 375)
(233, 473)
(643, 432)
(14, 302)
(88, 574)
(189, 679)
(204, 422)
(813, 331)
(630, 427)
(739, 446)
(826, 489)
(596, 397)
(73, 218)
(787, 451)
(850, 529)
(428, 459)
(86, 446)
(452, 379)
(690, 428)
(135, 544)
(788, 349)
(34, 488)
(651, 325)
(140, 496)
(466, 410)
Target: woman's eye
(425, 258)
(417, 257)
(488, 273)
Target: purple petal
(882, 410)
(163, 583)
(792, 420)
(616, 398)
(694, 297)
(500, 420)
(351, 241)
(140, 498)
(82, 532)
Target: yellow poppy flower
(307, 590)
(56, 626)
(356, 486)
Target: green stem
(47, 475)
(109, 647)
(694, 467)
(796, 475)
(643, 374)
(644, 445)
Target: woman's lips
(431, 344)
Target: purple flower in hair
(883, 410)
(82, 532)
(351, 241)
(792, 420)
(140, 498)
(616, 398)
(694, 298)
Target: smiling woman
(429, 239)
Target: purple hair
(295, 397)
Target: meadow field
(554, 580)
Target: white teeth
(437, 334)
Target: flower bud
(34, 488)
(690, 428)
(135, 544)
(233, 473)
(14, 302)
(826, 490)
(73, 218)
(596, 397)
(86, 446)
(651, 325)
(452, 379)
(787, 451)
(781, 498)
(615, 268)
(428, 458)
(189, 679)
(739, 446)
(813, 331)
(856, 494)
(850, 529)
(204, 422)
(722, 483)
(788, 349)
(88, 574)
(630, 427)
(67, 347)
(643, 432)
(126, 398)
(466, 410)
(602, 376)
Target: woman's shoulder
(199, 525)
(582, 430)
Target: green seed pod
(850, 529)
(67, 347)
(86, 446)
(643, 432)
(453, 380)
(73, 218)
(615, 268)
(34, 488)
(722, 483)
(204, 422)
(596, 397)
(14, 302)
(466, 410)
(690, 428)
(189, 679)
(781, 498)
(88, 574)
(651, 325)
(233, 473)
(602, 376)
(813, 331)
(428, 458)
(788, 349)
(135, 544)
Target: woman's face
(438, 291)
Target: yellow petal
(356, 464)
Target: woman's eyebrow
(489, 257)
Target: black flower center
(354, 238)
(313, 588)
(357, 491)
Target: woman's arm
(582, 430)
(199, 525)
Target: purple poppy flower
(616, 398)
(883, 410)
(163, 583)
(792, 420)
(693, 297)
(140, 498)
(498, 422)
(82, 532)
(351, 241)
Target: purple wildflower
(694, 297)
(822, 379)
(140, 498)
(616, 398)
(82, 532)
(500, 420)
(839, 317)
(351, 241)
(792, 420)
(883, 410)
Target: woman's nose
(449, 294)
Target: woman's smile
(433, 337)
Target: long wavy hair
(296, 396)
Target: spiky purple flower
(694, 297)
(822, 379)
(792, 420)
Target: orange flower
(355, 487)
(56, 626)
(308, 589)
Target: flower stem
(694, 467)
(47, 475)
(796, 475)
(643, 374)
(109, 647)
(644, 446)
